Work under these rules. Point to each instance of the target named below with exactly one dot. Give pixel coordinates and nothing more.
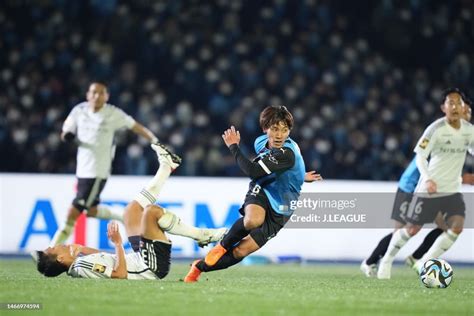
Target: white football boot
(385, 270)
(370, 270)
(211, 235)
(165, 156)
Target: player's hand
(312, 176)
(113, 233)
(75, 250)
(231, 136)
(468, 178)
(431, 186)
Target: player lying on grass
(145, 224)
(277, 175)
(403, 197)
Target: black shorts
(424, 210)
(156, 255)
(88, 192)
(273, 221)
(401, 205)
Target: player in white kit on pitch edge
(92, 126)
(445, 142)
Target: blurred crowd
(362, 78)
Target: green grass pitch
(240, 290)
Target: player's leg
(245, 247)
(253, 210)
(94, 209)
(155, 248)
(253, 218)
(428, 241)
(422, 210)
(369, 266)
(147, 196)
(455, 214)
(63, 233)
(87, 189)
(172, 224)
(400, 207)
(256, 239)
(445, 240)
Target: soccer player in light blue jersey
(277, 174)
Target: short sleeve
(120, 119)
(70, 124)
(426, 142)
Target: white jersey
(95, 133)
(100, 265)
(447, 148)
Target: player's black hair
(452, 90)
(102, 83)
(273, 115)
(48, 265)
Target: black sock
(134, 242)
(427, 243)
(224, 262)
(380, 250)
(235, 234)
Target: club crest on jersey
(98, 268)
(424, 143)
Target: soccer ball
(436, 273)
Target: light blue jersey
(282, 187)
(409, 178)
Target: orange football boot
(214, 255)
(193, 274)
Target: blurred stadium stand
(362, 78)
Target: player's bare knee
(154, 210)
(413, 230)
(457, 229)
(92, 212)
(251, 222)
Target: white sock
(399, 239)
(62, 234)
(106, 213)
(440, 246)
(148, 194)
(172, 224)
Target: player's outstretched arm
(141, 130)
(76, 249)
(312, 176)
(279, 160)
(120, 271)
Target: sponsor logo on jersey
(98, 268)
(424, 143)
(273, 159)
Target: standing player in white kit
(92, 126)
(446, 142)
